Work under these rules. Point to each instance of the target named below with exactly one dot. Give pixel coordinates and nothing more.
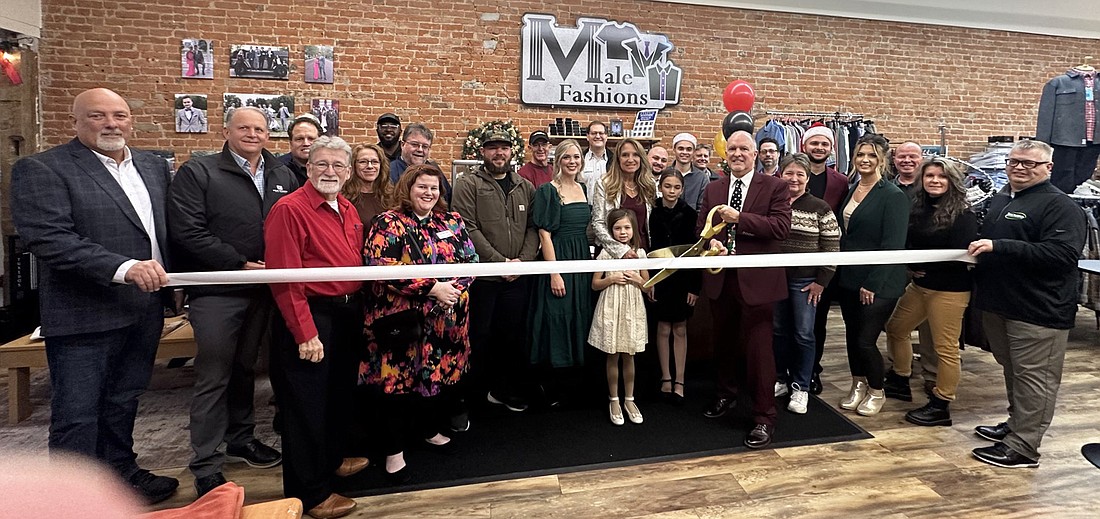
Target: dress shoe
(335, 505)
(872, 403)
(400, 477)
(1002, 455)
(632, 412)
(677, 399)
(815, 384)
(719, 408)
(460, 422)
(351, 467)
(760, 436)
(207, 483)
(510, 402)
(897, 387)
(255, 454)
(934, 413)
(856, 394)
(993, 433)
(615, 412)
(151, 487)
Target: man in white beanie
(831, 186)
(695, 179)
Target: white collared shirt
(745, 180)
(594, 169)
(126, 174)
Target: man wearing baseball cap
(695, 179)
(388, 129)
(538, 170)
(831, 186)
(495, 203)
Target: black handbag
(399, 329)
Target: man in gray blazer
(92, 212)
(190, 119)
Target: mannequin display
(1068, 122)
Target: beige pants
(944, 313)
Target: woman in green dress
(561, 308)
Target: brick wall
(429, 61)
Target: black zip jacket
(1031, 274)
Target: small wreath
(725, 167)
(471, 147)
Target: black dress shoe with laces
(993, 433)
(719, 408)
(815, 384)
(207, 483)
(1002, 455)
(760, 436)
(255, 454)
(152, 487)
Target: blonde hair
(558, 152)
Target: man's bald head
(102, 122)
(658, 159)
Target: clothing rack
(823, 115)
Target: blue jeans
(793, 335)
(96, 379)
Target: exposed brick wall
(428, 61)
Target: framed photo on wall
(319, 64)
(259, 62)
(328, 112)
(190, 113)
(279, 108)
(197, 58)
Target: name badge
(444, 234)
(522, 208)
(1088, 94)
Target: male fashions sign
(622, 67)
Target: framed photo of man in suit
(190, 113)
(328, 112)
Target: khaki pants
(944, 313)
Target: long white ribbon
(453, 270)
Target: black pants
(821, 323)
(317, 399)
(1072, 166)
(498, 335)
(862, 326)
(400, 417)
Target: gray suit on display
(193, 123)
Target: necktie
(735, 199)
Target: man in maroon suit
(757, 212)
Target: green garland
(471, 148)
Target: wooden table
(22, 354)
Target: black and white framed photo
(328, 112)
(279, 108)
(319, 64)
(197, 58)
(190, 112)
(259, 62)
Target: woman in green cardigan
(874, 216)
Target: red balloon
(738, 96)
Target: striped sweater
(813, 229)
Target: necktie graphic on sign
(735, 202)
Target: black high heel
(665, 395)
(677, 398)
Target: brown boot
(352, 466)
(334, 506)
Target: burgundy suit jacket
(764, 223)
(836, 188)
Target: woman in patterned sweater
(813, 229)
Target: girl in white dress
(619, 324)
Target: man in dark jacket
(216, 210)
(1026, 287)
(495, 203)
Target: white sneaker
(781, 389)
(799, 402)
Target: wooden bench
(22, 354)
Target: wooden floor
(904, 471)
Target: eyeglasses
(597, 133)
(418, 146)
(389, 126)
(1026, 164)
(336, 166)
(368, 162)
